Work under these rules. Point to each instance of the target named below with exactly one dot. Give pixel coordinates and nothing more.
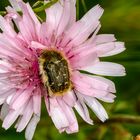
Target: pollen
(55, 73)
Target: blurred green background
(122, 18)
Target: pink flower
(47, 59)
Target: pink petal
(64, 20)
(37, 102)
(47, 103)
(91, 40)
(59, 120)
(119, 47)
(2, 100)
(27, 25)
(22, 98)
(4, 86)
(8, 52)
(9, 98)
(93, 14)
(92, 85)
(7, 93)
(31, 127)
(96, 107)
(5, 66)
(70, 98)
(72, 33)
(73, 125)
(18, 44)
(72, 18)
(18, 121)
(109, 98)
(73, 128)
(82, 36)
(6, 27)
(4, 111)
(34, 17)
(104, 48)
(82, 109)
(53, 101)
(54, 14)
(13, 15)
(88, 24)
(11, 117)
(83, 59)
(78, 36)
(106, 68)
(15, 5)
(26, 116)
(85, 90)
(81, 86)
(104, 38)
(100, 82)
(13, 45)
(37, 45)
(45, 32)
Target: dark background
(122, 18)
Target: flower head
(51, 60)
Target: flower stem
(123, 119)
(2, 12)
(77, 9)
(113, 119)
(37, 3)
(84, 5)
(46, 5)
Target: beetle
(55, 72)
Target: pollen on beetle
(55, 72)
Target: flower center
(55, 72)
